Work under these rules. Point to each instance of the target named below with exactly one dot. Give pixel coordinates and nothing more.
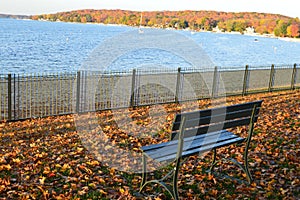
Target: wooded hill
(14, 16)
(262, 23)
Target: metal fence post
(246, 80)
(178, 82)
(9, 93)
(132, 96)
(78, 92)
(15, 97)
(271, 81)
(293, 82)
(215, 84)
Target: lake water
(35, 47)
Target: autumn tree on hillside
(293, 30)
(281, 28)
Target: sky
(31, 7)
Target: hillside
(262, 23)
(14, 16)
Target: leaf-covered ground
(46, 159)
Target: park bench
(198, 132)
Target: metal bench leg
(172, 189)
(144, 172)
(175, 180)
(248, 140)
(213, 163)
(246, 164)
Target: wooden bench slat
(200, 120)
(220, 110)
(191, 142)
(188, 139)
(216, 145)
(171, 149)
(214, 127)
(201, 149)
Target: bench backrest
(215, 119)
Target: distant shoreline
(194, 21)
(287, 39)
(25, 17)
(8, 16)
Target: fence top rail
(148, 71)
(278, 66)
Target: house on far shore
(217, 30)
(250, 31)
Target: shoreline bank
(288, 39)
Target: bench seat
(191, 146)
